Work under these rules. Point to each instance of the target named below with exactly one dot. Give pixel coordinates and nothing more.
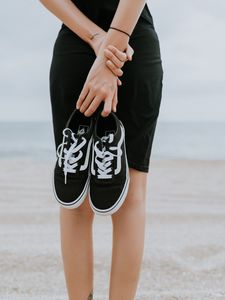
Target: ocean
(173, 140)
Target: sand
(184, 254)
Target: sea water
(172, 140)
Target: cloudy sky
(192, 41)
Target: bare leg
(128, 240)
(77, 250)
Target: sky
(192, 42)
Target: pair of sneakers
(91, 160)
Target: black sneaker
(71, 172)
(109, 167)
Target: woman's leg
(77, 250)
(128, 239)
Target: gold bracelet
(93, 35)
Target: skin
(67, 12)
(112, 51)
(100, 86)
(115, 58)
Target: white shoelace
(68, 155)
(106, 157)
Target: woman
(87, 62)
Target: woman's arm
(81, 25)
(72, 17)
(125, 18)
(100, 85)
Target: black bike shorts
(139, 97)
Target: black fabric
(94, 9)
(139, 97)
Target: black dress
(139, 97)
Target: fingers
(114, 63)
(129, 52)
(107, 106)
(114, 102)
(113, 58)
(119, 54)
(113, 68)
(117, 58)
(93, 106)
(119, 82)
(89, 98)
(93, 98)
(82, 96)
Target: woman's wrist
(120, 30)
(95, 39)
(115, 38)
(99, 39)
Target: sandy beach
(184, 256)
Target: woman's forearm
(73, 18)
(125, 18)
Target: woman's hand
(100, 85)
(102, 80)
(115, 57)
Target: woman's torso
(102, 12)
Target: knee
(135, 199)
(133, 206)
(136, 196)
(83, 212)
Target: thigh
(139, 97)
(71, 61)
(136, 196)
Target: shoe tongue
(82, 129)
(108, 137)
(68, 137)
(68, 133)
